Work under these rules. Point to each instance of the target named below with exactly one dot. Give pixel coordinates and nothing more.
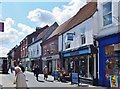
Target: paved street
(6, 80)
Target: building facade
(26, 42)
(35, 51)
(109, 41)
(50, 55)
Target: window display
(112, 62)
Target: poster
(113, 81)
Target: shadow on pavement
(49, 80)
(40, 81)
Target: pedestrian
(45, 71)
(33, 70)
(22, 68)
(11, 68)
(37, 72)
(20, 79)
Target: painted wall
(112, 28)
(33, 53)
(90, 27)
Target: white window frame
(108, 13)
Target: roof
(43, 33)
(83, 14)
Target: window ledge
(107, 26)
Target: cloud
(57, 14)
(4, 51)
(41, 16)
(25, 28)
(11, 36)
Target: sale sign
(1, 27)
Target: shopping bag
(14, 81)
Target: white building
(34, 49)
(78, 48)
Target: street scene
(59, 44)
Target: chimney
(91, 1)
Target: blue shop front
(109, 58)
(82, 61)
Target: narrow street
(6, 81)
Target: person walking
(45, 71)
(37, 72)
(20, 79)
(22, 68)
(33, 70)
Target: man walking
(20, 79)
(37, 72)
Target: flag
(1, 27)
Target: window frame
(106, 14)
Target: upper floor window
(67, 45)
(44, 50)
(52, 47)
(33, 39)
(83, 38)
(37, 49)
(107, 13)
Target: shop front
(82, 61)
(52, 62)
(109, 58)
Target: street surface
(6, 81)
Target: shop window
(86, 66)
(112, 62)
(107, 13)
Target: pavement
(6, 81)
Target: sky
(22, 17)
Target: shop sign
(56, 75)
(75, 78)
(113, 81)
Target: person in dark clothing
(22, 68)
(37, 72)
